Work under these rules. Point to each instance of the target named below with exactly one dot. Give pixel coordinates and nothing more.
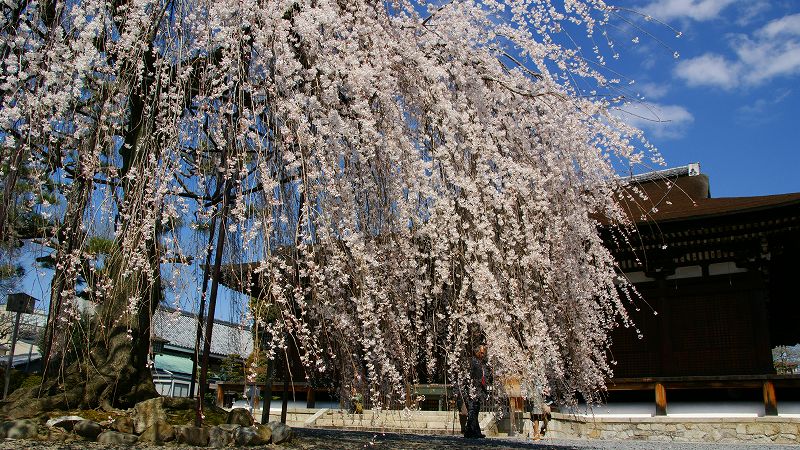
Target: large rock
(192, 435)
(257, 435)
(264, 432)
(240, 416)
(55, 434)
(87, 429)
(65, 422)
(229, 426)
(179, 403)
(117, 438)
(123, 424)
(280, 432)
(148, 413)
(245, 436)
(158, 433)
(19, 429)
(221, 436)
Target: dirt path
(308, 439)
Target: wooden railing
(660, 386)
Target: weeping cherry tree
(404, 176)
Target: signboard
(21, 303)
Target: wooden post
(212, 304)
(284, 399)
(661, 400)
(287, 358)
(512, 417)
(266, 400)
(770, 401)
(11, 355)
(310, 397)
(220, 396)
(198, 341)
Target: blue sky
(731, 100)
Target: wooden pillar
(770, 401)
(512, 417)
(661, 400)
(284, 400)
(310, 397)
(220, 396)
(266, 400)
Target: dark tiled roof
(688, 197)
(179, 328)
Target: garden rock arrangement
(153, 422)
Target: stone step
(289, 417)
(386, 423)
(395, 416)
(457, 431)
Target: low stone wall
(765, 430)
(400, 421)
(762, 430)
(295, 417)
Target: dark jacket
(481, 377)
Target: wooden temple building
(718, 284)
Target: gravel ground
(307, 439)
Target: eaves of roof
(717, 207)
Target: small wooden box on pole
(20, 303)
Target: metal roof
(173, 364)
(179, 328)
(690, 170)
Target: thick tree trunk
(115, 378)
(64, 278)
(113, 372)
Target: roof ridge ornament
(689, 170)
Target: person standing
(540, 411)
(480, 379)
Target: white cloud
(764, 60)
(660, 121)
(708, 70)
(770, 52)
(750, 11)
(653, 91)
(788, 25)
(773, 51)
(698, 10)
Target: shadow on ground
(336, 439)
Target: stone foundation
(424, 422)
(756, 430)
(761, 430)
